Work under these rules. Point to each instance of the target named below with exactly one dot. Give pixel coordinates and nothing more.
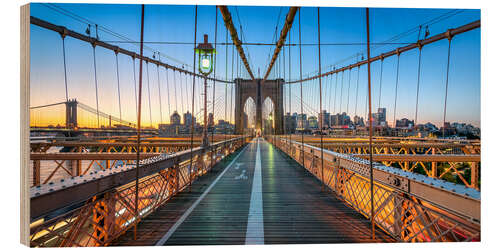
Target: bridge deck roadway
(232, 205)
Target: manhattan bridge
(252, 156)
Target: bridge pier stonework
(258, 91)
(71, 114)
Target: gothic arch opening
(268, 116)
(249, 117)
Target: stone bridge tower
(259, 91)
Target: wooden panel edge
(24, 110)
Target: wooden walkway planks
(296, 211)
(294, 208)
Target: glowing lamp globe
(205, 53)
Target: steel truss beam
(228, 21)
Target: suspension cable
(96, 88)
(159, 91)
(175, 92)
(63, 35)
(181, 94)
(380, 86)
(418, 81)
(283, 94)
(290, 87)
(213, 93)
(396, 92)
(446, 91)
(320, 103)
(136, 208)
(149, 95)
(118, 81)
(135, 85)
(335, 94)
(341, 94)
(187, 94)
(372, 209)
(168, 95)
(348, 91)
(232, 77)
(225, 100)
(192, 99)
(301, 94)
(356, 102)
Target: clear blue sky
(175, 23)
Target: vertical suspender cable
(330, 96)
(187, 90)
(356, 102)
(301, 92)
(175, 93)
(370, 121)
(341, 93)
(225, 99)
(64, 65)
(418, 81)
(335, 94)
(283, 94)
(136, 210)
(366, 104)
(149, 96)
(320, 103)
(159, 89)
(290, 87)
(348, 91)
(95, 83)
(181, 94)
(446, 91)
(118, 81)
(380, 86)
(168, 94)
(135, 85)
(192, 99)
(213, 91)
(232, 77)
(396, 93)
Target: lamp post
(205, 53)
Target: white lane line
(255, 225)
(193, 206)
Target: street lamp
(205, 53)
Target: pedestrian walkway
(257, 196)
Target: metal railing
(410, 207)
(106, 214)
(452, 160)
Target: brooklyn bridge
(223, 151)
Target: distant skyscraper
(302, 121)
(325, 118)
(313, 122)
(381, 116)
(188, 118)
(175, 118)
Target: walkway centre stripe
(193, 206)
(255, 225)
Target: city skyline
(48, 83)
